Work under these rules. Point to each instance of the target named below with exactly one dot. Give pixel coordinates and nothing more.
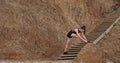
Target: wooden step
(75, 47)
(73, 50)
(68, 56)
(92, 39)
(81, 44)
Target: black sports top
(71, 32)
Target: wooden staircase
(73, 51)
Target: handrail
(106, 32)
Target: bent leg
(74, 36)
(66, 46)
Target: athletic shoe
(65, 52)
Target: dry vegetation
(36, 29)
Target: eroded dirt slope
(37, 29)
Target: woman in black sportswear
(76, 33)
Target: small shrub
(114, 24)
(115, 8)
(118, 38)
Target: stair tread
(68, 56)
(73, 50)
(65, 58)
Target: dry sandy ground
(37, 29)
(106, 51)
(26, 26)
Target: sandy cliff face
(37, 29)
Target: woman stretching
(76, 33)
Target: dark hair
(84, 28)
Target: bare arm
(80, 36)
(84, 36)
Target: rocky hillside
(36, 29)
